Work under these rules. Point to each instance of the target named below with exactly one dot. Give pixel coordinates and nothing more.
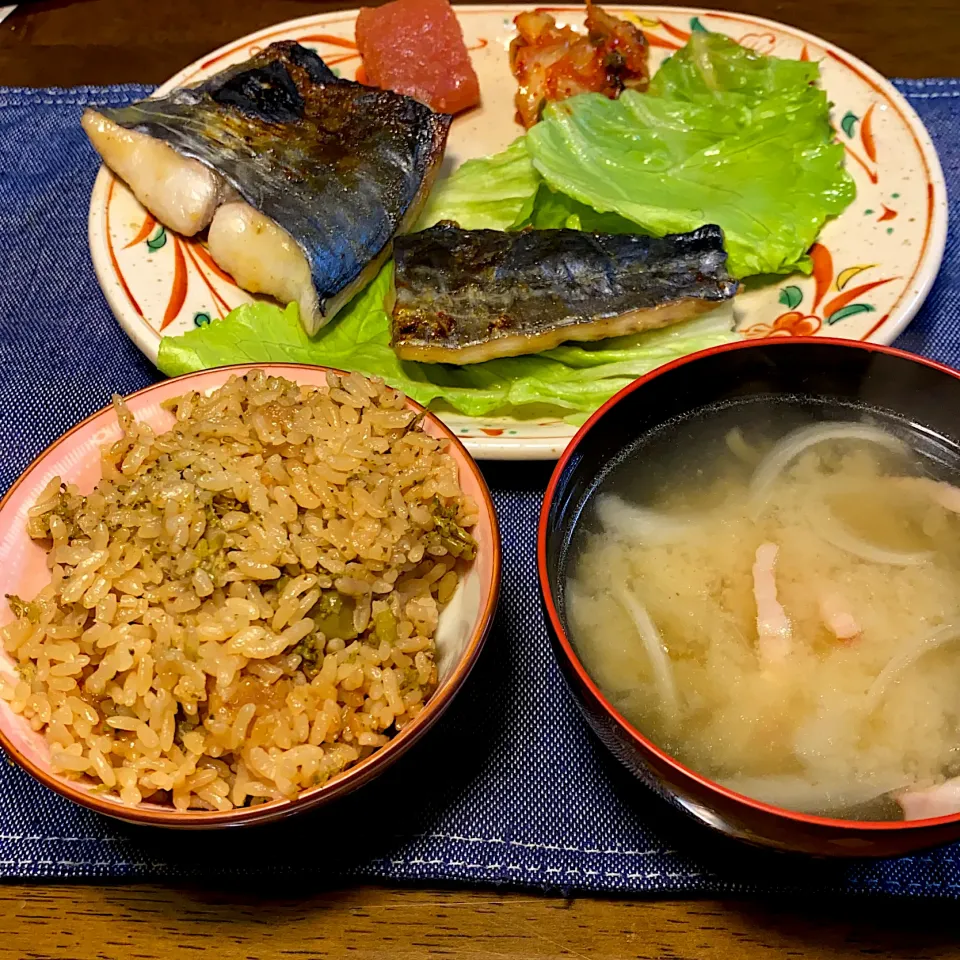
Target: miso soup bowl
(463, 628)
(924, 393)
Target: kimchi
(553, 63)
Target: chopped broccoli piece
(385, 626)
(310, 649)
(453, 537)
(27, 671)
(22, 608)
(332, 615)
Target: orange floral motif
(790, 324)
(761, 42)
(654, 41)
(847, 302)
(187, 252)
(849, 126)
(682, 35)
(178, 291)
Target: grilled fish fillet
(182, 194)
(261, 256)
(464, 296)
(335, 168)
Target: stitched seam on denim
(535, 868)
(931, 81)
(85, 863)
(558, 847)
(525, 845)
(34, 837)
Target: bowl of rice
(239, 594)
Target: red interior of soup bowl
(464, 623)
(926, 392)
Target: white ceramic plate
(874, 264)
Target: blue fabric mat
(511, 788)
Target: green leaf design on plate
(697, 26)
(849, 123)
(791, 296)
(851, 310)
(157, 240)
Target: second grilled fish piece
(332, 169)
(464, 296)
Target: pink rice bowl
(463, 626)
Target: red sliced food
(416, 47)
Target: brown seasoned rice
(246, 605)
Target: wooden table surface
(62, 43)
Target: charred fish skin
(464, 296)
(247, 84)
(340, 166)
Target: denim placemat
(511, 787)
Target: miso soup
(770, 591)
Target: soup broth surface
(785, 623)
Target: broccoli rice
(246, 604)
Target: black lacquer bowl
(922, 394)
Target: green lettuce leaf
(491, 193)
(505, 192)
(712, 64)
(551, 210)
(724, 136)
(571, 380)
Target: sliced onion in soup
(788, 448)
(836, 534)
(653, 644)
(623, 519)
(906, 659)
(739, 447)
